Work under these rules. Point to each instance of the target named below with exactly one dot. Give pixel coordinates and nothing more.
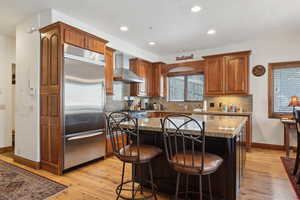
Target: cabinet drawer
(74, 38)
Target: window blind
(286, 84)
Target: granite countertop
(216, 125)
(203, 113)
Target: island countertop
(215, 126)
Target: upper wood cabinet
(143, 69)
(109, 70)
(152, 76)
(214, 76)
(95, 44)
(227, 74)
(157, 80)
(74, 37)
(82, 39)
(237, 77)
(53, 38)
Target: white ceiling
(174, 27)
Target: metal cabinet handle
(84, 136)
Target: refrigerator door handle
(84, 136)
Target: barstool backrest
(121, 137)
(177, 141)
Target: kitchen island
(225, 136)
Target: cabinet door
(157, 81)
(214, 76)
(142, 69)
(74, 37)
(109, 70)
(142, 72)
(236, 68)
(95, 44)
(50, 104)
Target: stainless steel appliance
(83, 108)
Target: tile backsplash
(243, 102)
(117, 101)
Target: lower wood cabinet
(120, 140)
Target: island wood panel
(109, 70)
(226, 181)
(50, 101)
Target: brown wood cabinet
(109, 148)
(152, 75)
(143, 69)
(227, 74)
(157, 82)
(214, 76)
(51, 130)
(82, 39)
(95, 44)
(109, 70)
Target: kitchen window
(284, 82)
(186, 87)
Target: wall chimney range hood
(122, 71)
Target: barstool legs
(209, 187)
(200, 187)
(177, 185)
(133, 180)
(151, 179)
(122, 181)
(186, 186)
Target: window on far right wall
(284, 82)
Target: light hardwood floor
(264, 179)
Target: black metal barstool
(131, 152)
(186, 151)
(296, 167)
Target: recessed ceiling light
(124, 28)
(151, 43)
(211, 32)
(195, 9)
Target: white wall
(7, 57)
(264, 51)
(27, 86)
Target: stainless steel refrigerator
(83, 108)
